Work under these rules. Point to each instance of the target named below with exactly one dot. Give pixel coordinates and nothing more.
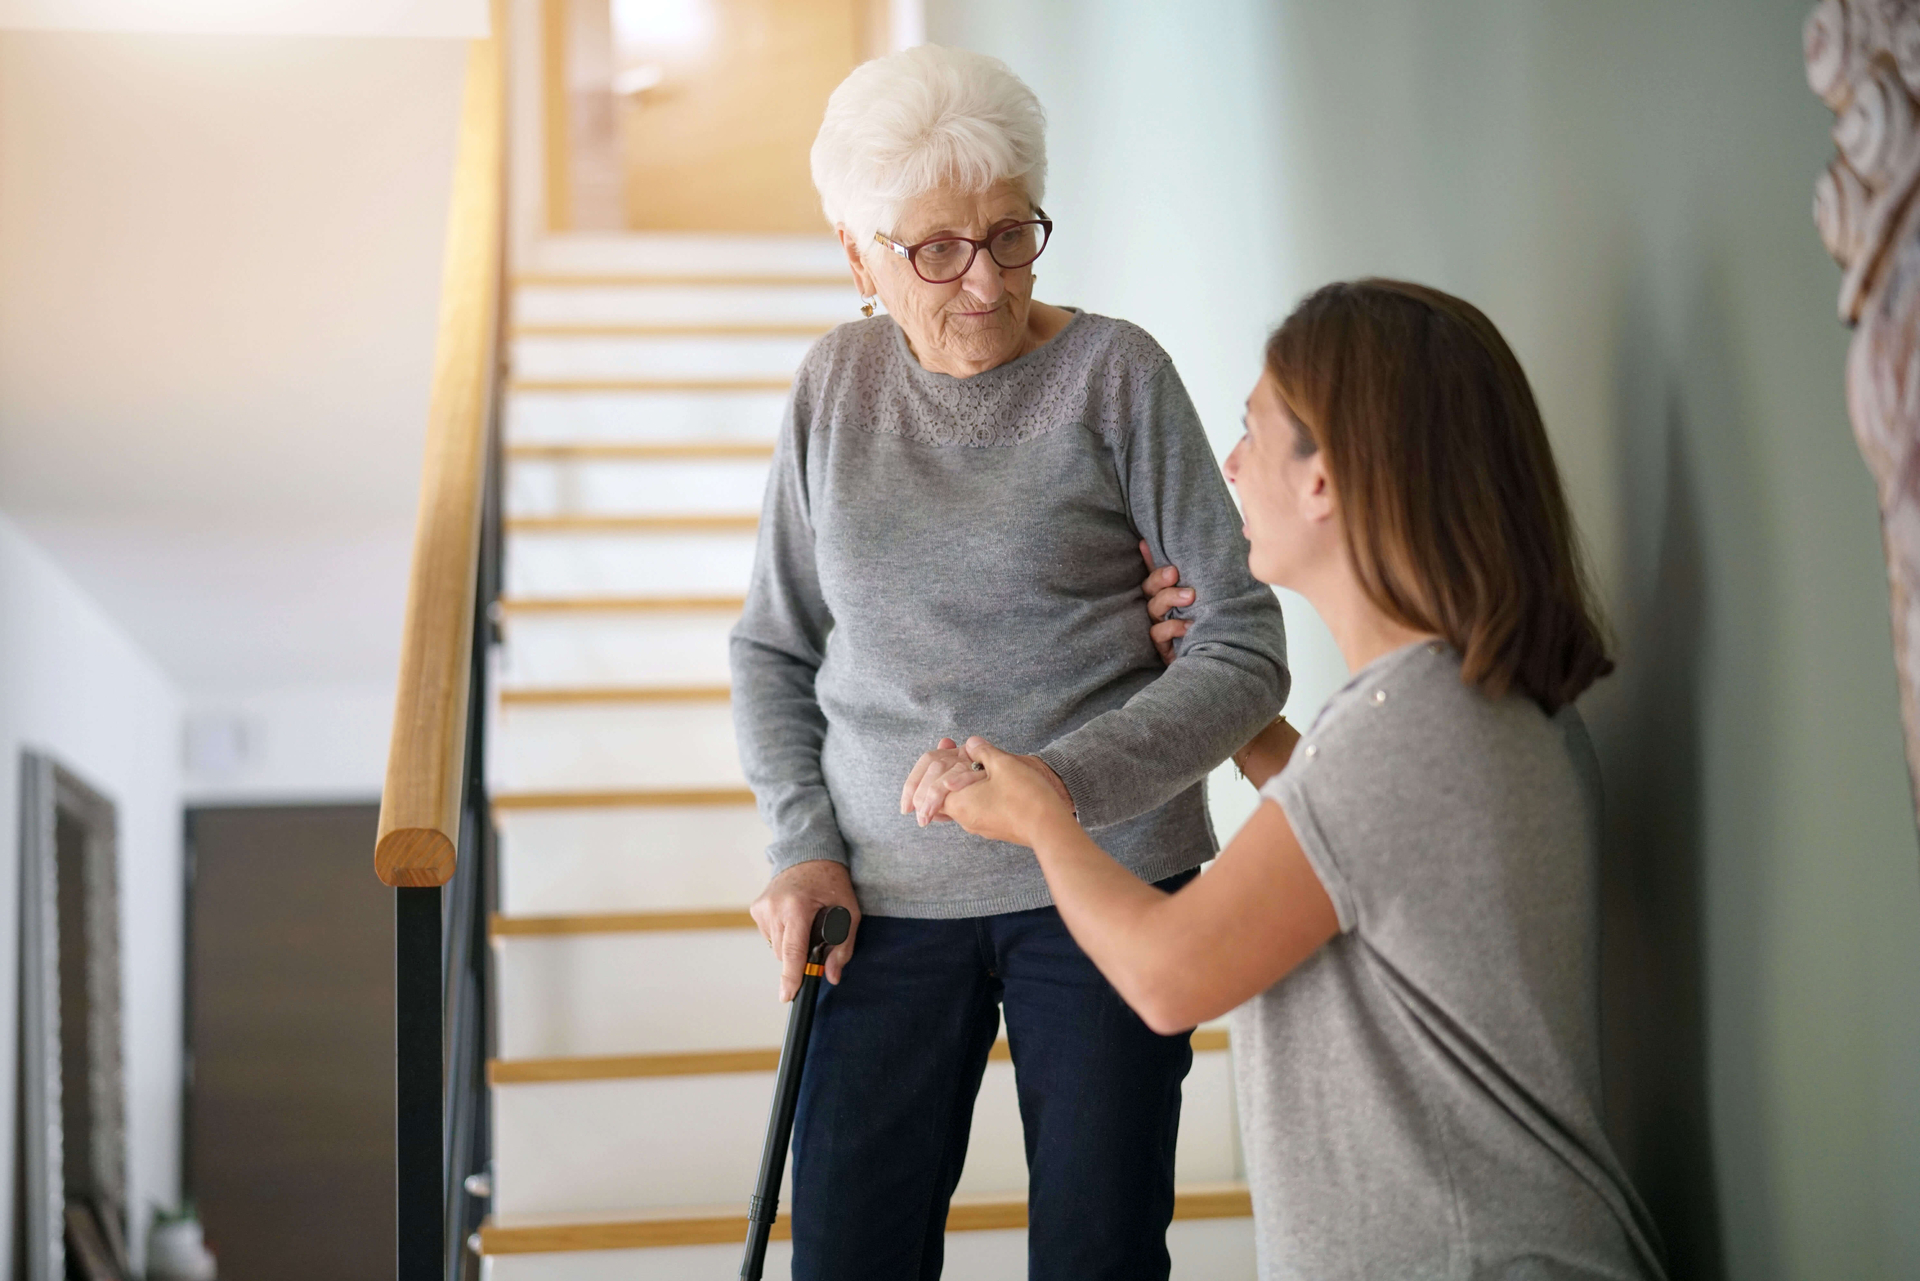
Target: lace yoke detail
(873, 384)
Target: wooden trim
(1208, 1039)
(639, 799)
(727, 1225)
(665, 451)
(641, 1230)
(986, 1213)
(616, 694)
(426, 761)
(541, 330)
(622, 604)
(556, 115)
(502, 926)
(643, 279)
(716, 523)
(627, 1067)
(1212, 1201)
(649, 384)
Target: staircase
(636, 1008)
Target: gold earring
(866, 308)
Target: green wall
(1625, 187)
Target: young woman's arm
(1267, 752)
(1177, 959)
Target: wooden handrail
(426, 764)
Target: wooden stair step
(645, 329)
(625, 451)
(510, 605)
(548, 695)
(626, 1067)
(648, 384)
(622, 798)
(726, 522)
(641, 280)
(504, 926)
(726, 1225)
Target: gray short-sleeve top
(1421, 1097)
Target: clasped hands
(1025, 791)
(939, 775)
(1009, 798)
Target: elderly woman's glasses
(944, 259)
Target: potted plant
(176, 1248)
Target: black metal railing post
(467, 1139)
(419, 1075)
(442, 993)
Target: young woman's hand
(1008, 799)
(1164, 594)
(948, 768)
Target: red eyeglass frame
(911, 252)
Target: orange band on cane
(816, 970)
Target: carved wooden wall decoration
(1863, 59)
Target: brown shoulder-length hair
(1451, 503)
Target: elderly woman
(949, 546)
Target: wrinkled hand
(784, 912)
(938, 774)
(935, 776)
(1164, 594)
(1009, 800)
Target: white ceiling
(219, 271)
(442, 18)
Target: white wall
(74, 686)
(311, 744)
(219, 283)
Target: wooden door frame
(556, 113)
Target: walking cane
(830, 927)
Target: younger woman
(1408, 924)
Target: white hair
(904, 124)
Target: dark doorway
(290, 1040)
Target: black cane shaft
(765, 1205)
(830, 926)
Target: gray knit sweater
(943, 556)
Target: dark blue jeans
(887, 1102)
